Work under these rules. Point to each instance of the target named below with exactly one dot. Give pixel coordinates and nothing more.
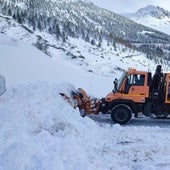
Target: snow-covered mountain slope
(79, 19)
(152, 16)
(83, 31)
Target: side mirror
(115, 82)
(2, 85)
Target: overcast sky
(129, 6)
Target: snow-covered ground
(40, 131)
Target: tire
(121, 114)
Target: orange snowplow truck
(135, 92)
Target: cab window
(134, 80)
(139, 80)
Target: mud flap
(147, 108)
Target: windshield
(121, 80)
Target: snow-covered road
(162, 123)
(140, 121)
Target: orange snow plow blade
(80, 99)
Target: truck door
(128, 83)
(136, 87)
(132, 81)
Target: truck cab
(130, 94)
(133, 85)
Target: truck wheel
(121, 114)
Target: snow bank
(39, 130)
